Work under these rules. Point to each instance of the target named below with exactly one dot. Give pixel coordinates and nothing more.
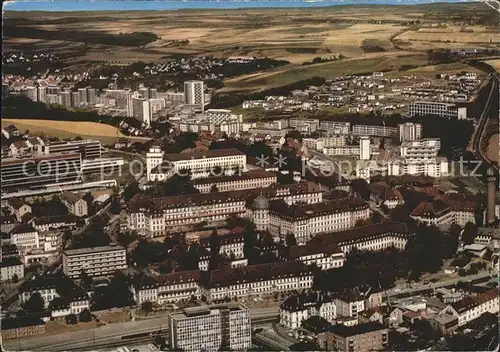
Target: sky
(92, 5)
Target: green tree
(214, 188)
(15, 278)
(35, 303)
(147, 307)
(469, 233)
(85, 279)
(71, 319)
(290, 240)
(85, 316)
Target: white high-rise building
(224, 327)
(193, 93)
(42, 91)
(364, 148)
(154, 157)
(91, 96)
(142, 110)
(82, 94)
(410, 131)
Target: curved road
(478, 136)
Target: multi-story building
(325, 142)
(472, 307)
(42, 92)
(438, 167)
(58, 222)
(364, 148)
(420, 151)
(256, 280)
(307, 220)
(169, 288)
(374, 237)
(32, 93)
(11, 268)
(60, 294)
(349, 305)
(304, 125)
(200, 164)
(246, 180)
(446, 110)
(27, 147)
(230, 245)
(344, 150)
(88, 149)
(95, 261)
(211, 328)
(40, 170)
(75, 204)
(75, 99)
(297, 308)
(18, 208)
(154, 216)
(194, 94)
(25, 237)
(335, 128)
(445, 210)
(65, 98)
(410, 131)
(142, 110)
(379, 131)
(361, 337)
(325, 257)
(82, 96)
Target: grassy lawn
(68, 129)
(327, 70)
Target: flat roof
(204, 154)
(89, 250)
(206, 310)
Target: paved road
(104, 334)
(478, 136)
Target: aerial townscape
(250, 176)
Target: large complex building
(154, 216)
(96, 261)
(247, 180)
(420, 151)
(306, 220)
(161, 166)
(225, 327)
(446, 110)
(43, 170)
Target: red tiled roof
(254, 273)
(432, 209)
(305, 211)
(203, 154)
(470, 302)
(141, 201)
(362, 232)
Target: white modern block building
(214, 328)
(471, 308)
(450, 111)
(161, 166)
(194, 94)
(96, 261)
(410, 131)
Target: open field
(367, 63)
(275, 33)
(494, 63)
(68, 129)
